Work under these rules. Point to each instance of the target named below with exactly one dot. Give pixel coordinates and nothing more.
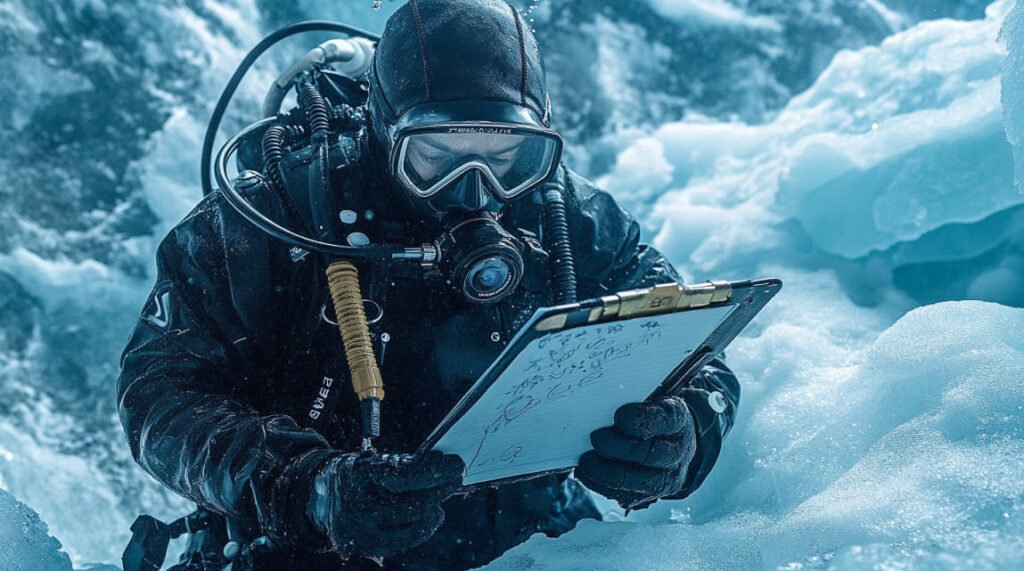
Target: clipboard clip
(661, 298)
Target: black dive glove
(644, 456)
(376, 506)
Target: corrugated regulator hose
(315, 107)
(343, 283)
(273, 151)
(272, 144)
(556, 229)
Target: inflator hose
(273, 151)
(342, 276)
(343, 283)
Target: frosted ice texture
(893, 169)
(25, 542)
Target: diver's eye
(501, 161)
(432, 159)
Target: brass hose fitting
(343, 283)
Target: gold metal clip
(661, 298)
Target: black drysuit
(223, 374)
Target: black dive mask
(479, 258)
(505, 158)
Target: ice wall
(1013, 87)
(25, 542)
(88, 189)
(892, 169)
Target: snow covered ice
(27, 545)
(864, 152)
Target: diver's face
(432, 155)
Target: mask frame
(404, 136)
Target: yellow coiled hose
(343, 283)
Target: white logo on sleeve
(161, 316)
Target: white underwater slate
(539, 413)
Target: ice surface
(1013, 87)
(622, 67)
(907, 453)
(893, 166)
(25, 543)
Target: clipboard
(570, 366)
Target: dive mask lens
(481, 259)
(513, 159)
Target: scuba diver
(233, 386)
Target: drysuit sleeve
(610, 258)
(182, 385)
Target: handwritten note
(539, 413)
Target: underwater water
(863, 151)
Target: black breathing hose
(317, 119)
(272, 144)
(315, 107)
(273, 152)
(563, 266)
(205, 175)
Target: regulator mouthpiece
(481, 259)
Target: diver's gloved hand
(644, 455)
(379, 505)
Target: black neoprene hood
(456, 60)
